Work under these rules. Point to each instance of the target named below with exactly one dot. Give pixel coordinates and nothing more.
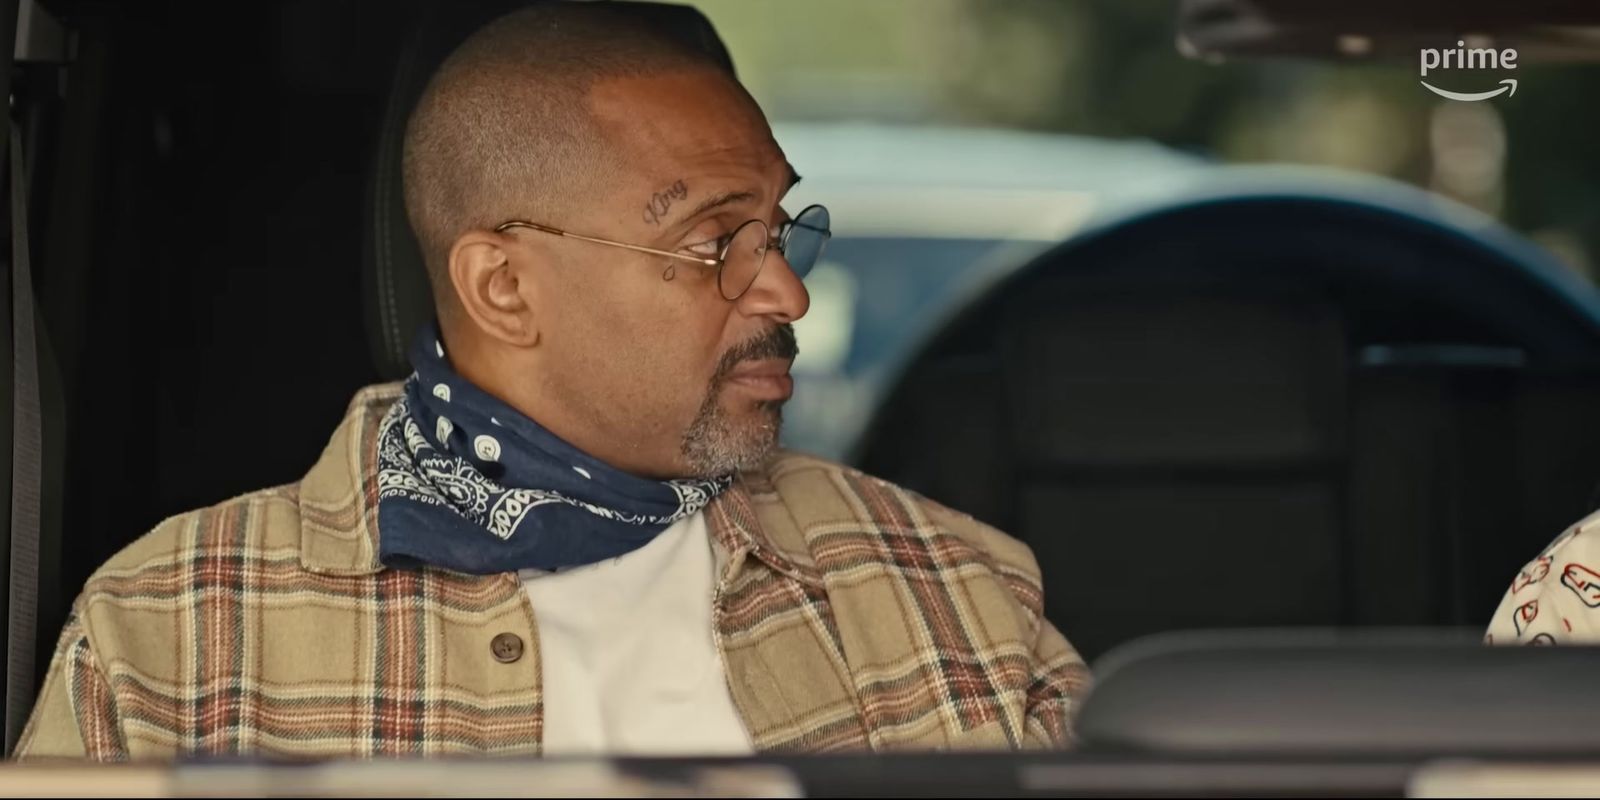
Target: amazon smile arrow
(1508, 88)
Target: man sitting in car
(570, 531)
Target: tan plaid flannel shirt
(850, 614)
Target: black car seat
(1262, 411)
(196, 211)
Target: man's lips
(766, 379)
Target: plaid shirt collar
(333, 544)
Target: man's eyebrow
(729, 198)
(717, 201)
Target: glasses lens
(808, 235)
(742, 261)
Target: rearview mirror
(1540, 31)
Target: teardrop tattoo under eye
(661, 202)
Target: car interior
(1266, 410)
(1243, 412)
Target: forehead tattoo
(661, 202)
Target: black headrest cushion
(1168, 378)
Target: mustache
(778, 342)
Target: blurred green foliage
(1111, 68)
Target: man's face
(645, 348)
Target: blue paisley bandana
(469, 484)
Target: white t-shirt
(629, 663)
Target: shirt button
(506, 647)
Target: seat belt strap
(27, 466)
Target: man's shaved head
(503, 129)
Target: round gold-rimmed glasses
(743, 253)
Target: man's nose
(777, 292)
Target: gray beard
(714, 445)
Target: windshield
(878, 97)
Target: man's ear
(494, 293)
